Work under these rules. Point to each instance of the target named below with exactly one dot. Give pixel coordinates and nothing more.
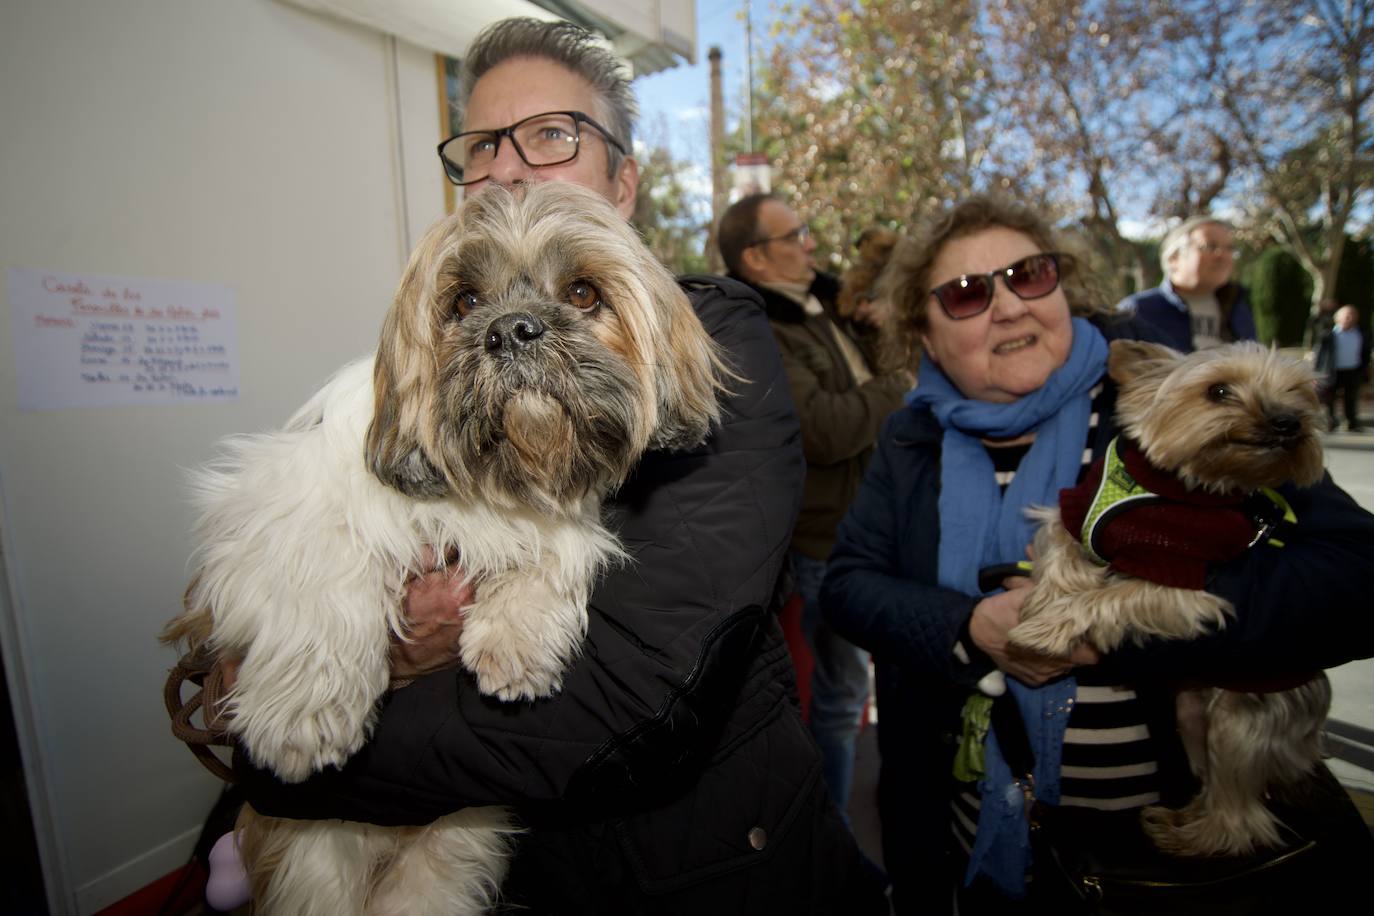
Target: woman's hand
(993, 618)
(434, 605)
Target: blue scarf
(979, 526)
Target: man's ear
(627, 186)
(753, 260)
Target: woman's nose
(1006, 305)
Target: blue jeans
(839, 684)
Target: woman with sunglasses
(1011, 404)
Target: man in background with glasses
(1197, 306)
(670, 774)
(842, 400)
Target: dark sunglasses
(1033, 277)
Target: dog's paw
(1052, 628)
(1199, 829)
(296, 744)
(299, 725)
(508, 664)
(504, 677)
(519, 636)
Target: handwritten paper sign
(85, 340)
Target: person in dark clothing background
(1342, 361)
(672, 773)
(1198, 305)
(842, 399)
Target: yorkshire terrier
(1189, 482)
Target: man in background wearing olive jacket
(842, 402)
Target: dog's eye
(1219, 393)
(583, 295)
(465, 302)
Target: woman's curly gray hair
(906, 281)
(571, 47)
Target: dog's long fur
(534, 350)
(1225, 421)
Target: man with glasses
(842, 401)
(1197, 305)
(671, 773)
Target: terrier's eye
(1219, 393)
(465, 302)
(583, 295)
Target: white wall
(250, 144)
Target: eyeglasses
(800, 235)
(1029, 278)
(551, 138)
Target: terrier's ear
(693, 372)
(1129, 360)
(393, 450)
(405, 377)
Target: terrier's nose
(1285, 425)
(513, 333)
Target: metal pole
(717, 161)
(749, 77)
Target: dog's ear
(687, 390)
(1129, 360)
(405, 377)
(664, 333)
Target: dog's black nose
(1285, 425)
(512, 333)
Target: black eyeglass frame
(1058, 259)
(453, 170)
(794, 234)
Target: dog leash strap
(200, 669)
(1269, 512)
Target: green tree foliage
(1355, 280)
(1280, 290)
(868, 110)
(1106, 113)
(667, 212)
(1293, 84)
(1082, 111)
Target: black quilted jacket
(672, 774)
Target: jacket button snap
(758, 838)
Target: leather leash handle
(200, 669)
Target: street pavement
(1350, 459)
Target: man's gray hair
(1177, 237)
(571, 47)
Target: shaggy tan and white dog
(534, 350)
(1124, 557)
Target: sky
(677, 102)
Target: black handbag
(1099, 862)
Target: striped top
(1107, 761)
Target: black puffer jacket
(672, 774)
